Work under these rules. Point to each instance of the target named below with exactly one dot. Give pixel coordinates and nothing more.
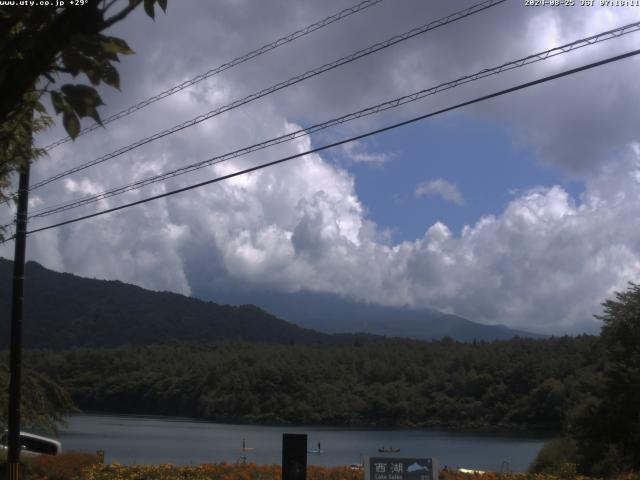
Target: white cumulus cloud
(440, 188)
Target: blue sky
(480, 157)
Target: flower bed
(79, 466)
(218, 471)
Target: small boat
(318, 450)
(388, 450)
(470, 471)
(245, 448)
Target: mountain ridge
(331, 313)
(63, 310)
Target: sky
(522, 210)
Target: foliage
(556, 457)
(528, 476)
(606, 424)
(63, 310)
(15, 139)
(65, 466)
(518, 383)
(225, 471)
(217, 471)
(37, 45)
(43, 401)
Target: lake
(139, 439)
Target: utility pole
(17, 301)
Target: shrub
(66, 466)
(557, 457)
(216, 471)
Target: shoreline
(507, 431)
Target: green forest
(585, 388)
(515, 384)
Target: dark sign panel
(389, 468)
(294, 456)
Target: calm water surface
(136, 439)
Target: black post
(15, 366)
(294, 456)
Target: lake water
(137, 439)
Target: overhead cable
(225, 66)
(279, 86)
(530, 59)
(342, 142)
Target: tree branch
(107, 6)
(122, 14)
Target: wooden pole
(17, 302)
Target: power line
(279, 86)
(225, 66)
(530, 59)
(342, 142)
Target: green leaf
(89, 45)
(83, 99)
(77, 62)
(110, 75)
(148, 7)
(72, 60)
(110, 56)
(83, 93)
(106, 53)
(38, 107)
(93, 113)
(93, 74)
(163, 5)
(116, 45)
(71, 124)
(58, 102)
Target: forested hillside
(64, 310)
(518, 383)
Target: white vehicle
(32, 444)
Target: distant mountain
(64, 310)
(332, 313)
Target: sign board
(395, 468)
